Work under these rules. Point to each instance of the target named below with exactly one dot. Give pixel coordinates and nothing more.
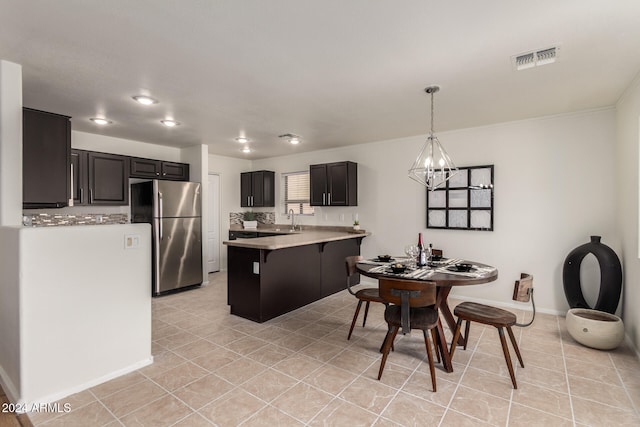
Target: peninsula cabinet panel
(46, 167)
(334, 184)
(333, 274)
(108, 179)
(243, 293)
(263, 284)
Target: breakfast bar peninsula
(270, 276)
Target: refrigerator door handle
(160, 213)
(156, 260)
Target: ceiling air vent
(535, 59)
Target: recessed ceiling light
(242, 139)
(100, 121)
(246, 150)
(169, 123)
(292, 138)
(145, 100)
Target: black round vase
(610, 276)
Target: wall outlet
(341, 217)
(131, 241)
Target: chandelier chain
(432, 131)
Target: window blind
(296, 193)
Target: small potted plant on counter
(249, 220)
(356, 225)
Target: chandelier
(433, 167)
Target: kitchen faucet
(291, 214)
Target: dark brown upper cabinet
(108, 179)
(175, 171)
(257, 189)
(79, 189)
(334, 184)
(46, 166)
(158, 169)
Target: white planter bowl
(595, 329)
(250, 224)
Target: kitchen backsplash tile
(261, 217)
(53, 220)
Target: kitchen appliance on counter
(173, 208)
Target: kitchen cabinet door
(318, 185)
(175, 171)
(144, 168)
(257, 189)
(334, 184)
(245, 189)
(46, 167)
(108, 179)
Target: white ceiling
(335, 72)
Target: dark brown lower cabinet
(263, 284)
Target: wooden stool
(498, 318)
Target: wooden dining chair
(498, 318)
(367, 295)
(412, 306)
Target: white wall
(229, 170)
(10, 219)
(10, 143)
(198, 158)
(628, 139)
(82, 321)
(10, 376)
(126, 147)
(554, 187)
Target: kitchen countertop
(292, 239)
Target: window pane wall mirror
(465, 202)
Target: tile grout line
(466, 367)
(566, 371)
(624, 386)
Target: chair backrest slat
(425, 297)
(350, 263)
(521, 289)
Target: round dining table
(444, 280)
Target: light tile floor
(212, 368)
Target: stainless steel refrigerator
(173, 208)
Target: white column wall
(197, 157)
(628, 186)
(10, 143)
(229, 170)
(10, 221)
